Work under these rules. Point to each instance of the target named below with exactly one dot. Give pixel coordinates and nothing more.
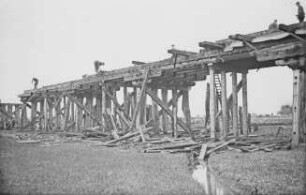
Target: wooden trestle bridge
(91, 102)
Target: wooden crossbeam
(181, 52)
(290, 30)
(85, 109)
(138, 63)
(211, 45)
(168, 111)
(243, 38)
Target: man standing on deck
(35, 81)
(301, 13)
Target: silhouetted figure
(301, 14)
(98, 65)
(35, 81)
(273, 25)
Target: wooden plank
(212, 106)
(244, 104)
(235, 104)
(203, 152)
(130, 135)
(140, 99)
(225, 127)
(80, 105)
(165, 121)
(207, 104)
(168, 111)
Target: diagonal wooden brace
(142, 93)
(85, 109)
(168, 111)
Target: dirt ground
(77, 168)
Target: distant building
(285, 110)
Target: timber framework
(91, 102)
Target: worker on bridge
(35, 81)
(301, 14)
(98, 65)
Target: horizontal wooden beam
(211, 45)
(138, 63)
(181, 52)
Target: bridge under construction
(91, 102)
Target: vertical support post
(244, 104)
(126, 100)
(89, 99)
(18, 115)
(165, 121)
(79, 113)
(155, 115)
(50, 114)
(125, 105)
(58, 114)
(24, 117)
(46, 116)
(72, 113)
(66, 113)
(143, 114)
(114, 107)
(134, 100)
(186, 109)
(212, 106)
(235, 104)
(298, 81)
(99, 106)
(103, 102)
(41, 110)
(174, 112)
(225, 128)
(33, 114)
(138, 117)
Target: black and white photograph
(153, 97)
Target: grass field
(277, 172)
(77, 168)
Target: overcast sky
(58, 40)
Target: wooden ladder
(217, 83)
